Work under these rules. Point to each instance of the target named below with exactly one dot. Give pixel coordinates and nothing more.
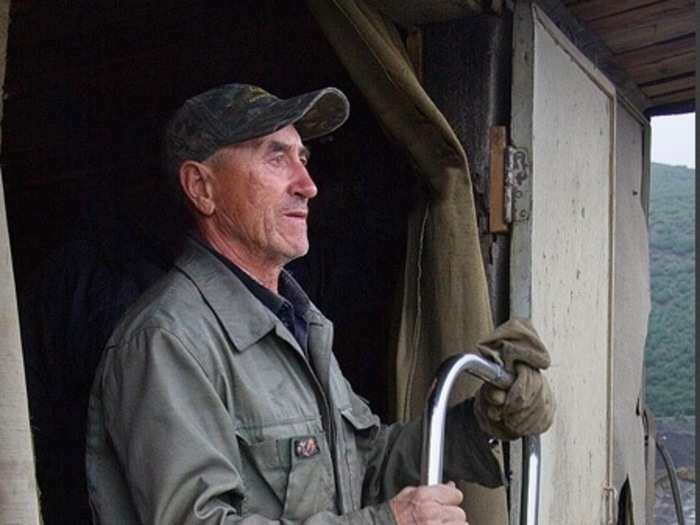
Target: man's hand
(428, 505)
(527, 407)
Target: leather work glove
(527, 407)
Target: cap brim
(313, 114)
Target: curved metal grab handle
(434, 428)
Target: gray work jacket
(204, 406)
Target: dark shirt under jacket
(289, 306)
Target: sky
(673, 140)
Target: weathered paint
(562, 258)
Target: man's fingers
(428, 505)
(447, 494)
(452, 515)
(451, 495)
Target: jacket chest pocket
(360, 431)
(287, 477)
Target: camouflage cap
(235, 113)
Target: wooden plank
(596, 49)
(654, 30)
(672, 86)
(669, 67)
(654, 52)
(588, 10)
(680, 96)
(656, 12)
(497, 149)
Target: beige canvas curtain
(445, 306)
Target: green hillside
(670, 349)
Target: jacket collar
(245, 319)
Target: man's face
(262, 191)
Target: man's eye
(304, 160)
(277, 159)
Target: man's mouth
(297, 214)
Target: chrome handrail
(434, 428)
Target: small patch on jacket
(306, 447)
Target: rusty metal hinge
(509, 177)
(518, 184)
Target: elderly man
(218, 399)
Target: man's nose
(303, 183)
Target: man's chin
(293, 251)
(299, 253)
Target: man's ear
(197, 182)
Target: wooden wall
(654, 42)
